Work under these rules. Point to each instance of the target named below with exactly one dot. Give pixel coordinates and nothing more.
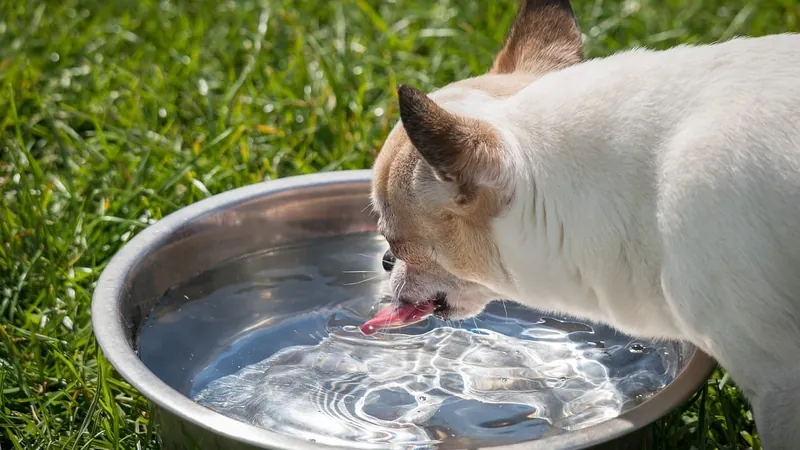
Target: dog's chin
(459, 310)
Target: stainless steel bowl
(242, 221)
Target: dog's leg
(729, 273)
(775, 409)
(770, 382)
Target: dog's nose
(388, 260)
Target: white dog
(655, 191)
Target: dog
(657, 192)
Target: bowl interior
(193, 256)
(205, 236)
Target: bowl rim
(109, 330)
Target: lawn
(114, 114)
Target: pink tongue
(394, 316)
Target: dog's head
(443, 174)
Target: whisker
(400, 291)
(458, 296)
(362, 281)
(361, 271)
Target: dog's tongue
(397, 315)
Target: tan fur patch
(498, 85)
(454, 229)
(462, 230)
(437, 227)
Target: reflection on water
(272, 340)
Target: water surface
(272, 340)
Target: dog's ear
(460, 150)
(544, 37)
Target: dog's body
(658, 192)
(664, 175)
(671, 184)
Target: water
(272, 340)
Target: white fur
(676, 178)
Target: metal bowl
(242, 221)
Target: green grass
(114, 114)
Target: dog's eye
(388, 260)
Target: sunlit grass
(114, 114)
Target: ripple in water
(273, 341)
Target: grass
(114, 114)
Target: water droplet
(202, 87)
(504, 380)
(268, 108)
(299, 119)
(312, 440)
(162, 112)
(562, 379)
(358, 70)
(54, 57)
(422, 398)
(185, 59)
(379, 112)
(636, 348)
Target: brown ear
(544, 37)
(461, 150)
